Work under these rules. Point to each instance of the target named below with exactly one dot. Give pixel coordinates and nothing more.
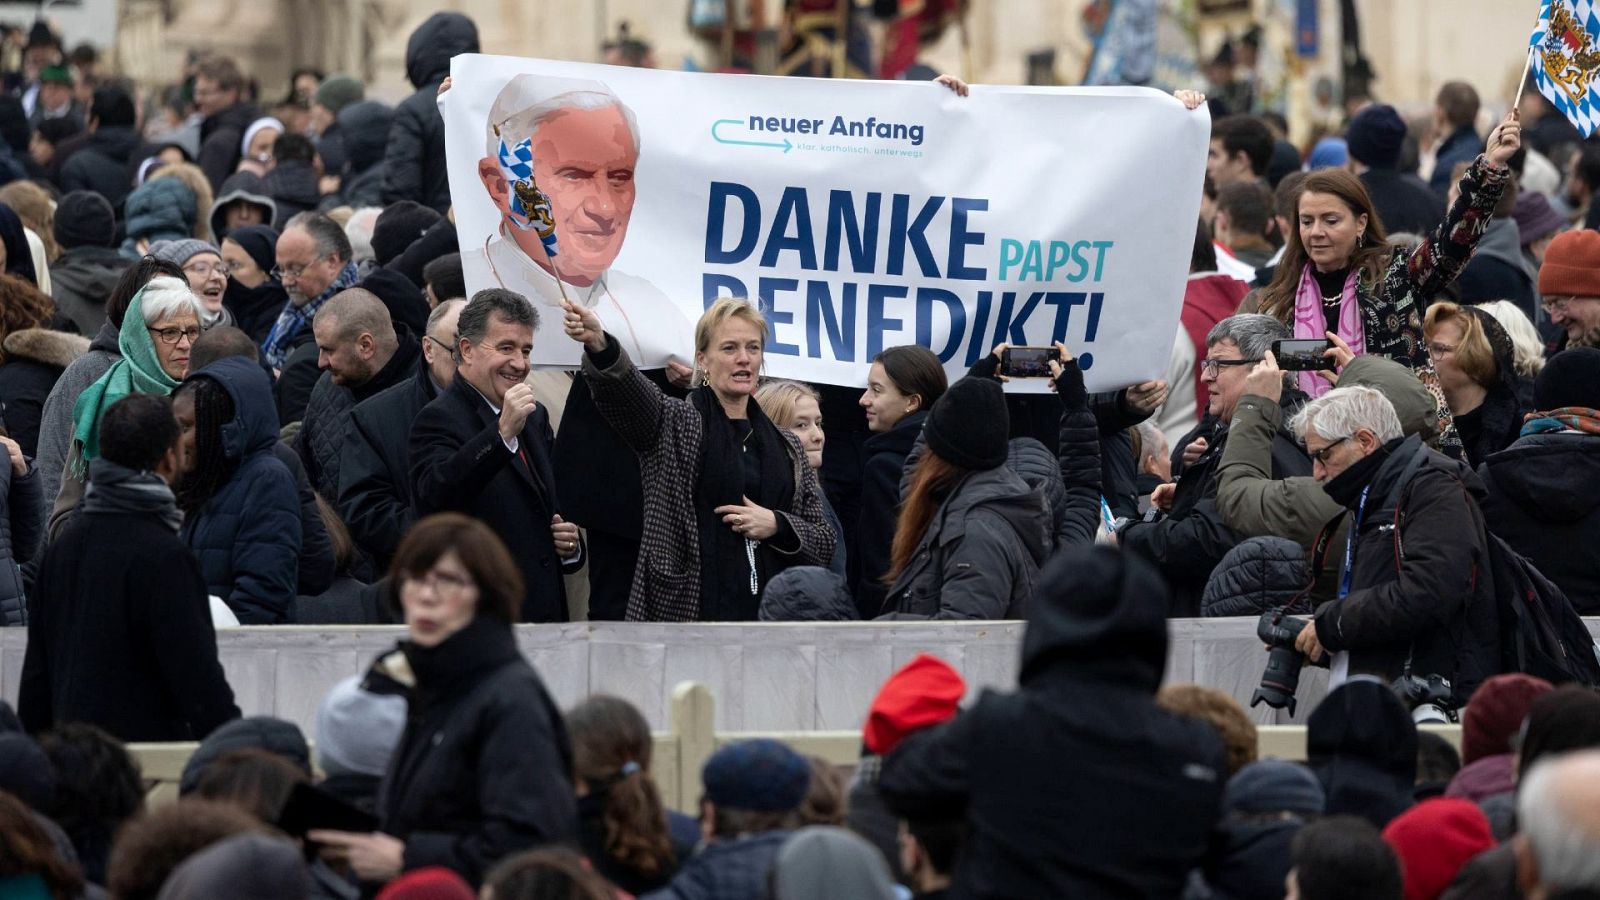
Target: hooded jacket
(1362, 745)
(1265, 806)
(35, 359)
(365, 130)
(163, 209)
(247, 535)
(1541, 499)
(414, 166)
(1261, 573)
(244, 186)
(1424, 597)
(1096, 745)
(81, 279)
(102, 165)
(293, 188)
(981, 552)
(807, 594)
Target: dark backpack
(1541, 633)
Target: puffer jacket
(247, 536)
(1261, 573)
(728, 869)
(365, 129)
(163, 209)
(981, 552)
(1424, 596)
(81, 280)
(414, 166)
(21, 529)
(35, 359)
(1542, 501)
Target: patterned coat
(668, 435)
(1392, 307)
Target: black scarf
(452, 667)
(1345, 489)
(121, 490)
(724, 562)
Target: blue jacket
(247, 536)
(727, 869)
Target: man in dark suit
(482, 447)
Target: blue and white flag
(1566, 59)
(530, 206)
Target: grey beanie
(357, 730)
(180, 252)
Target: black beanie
(260, 241)
(398, 227)
(1570, 378)
(1375, 136)
(969, 425)
(85, 219)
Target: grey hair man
(584, 143)
(1558, 809)
(1415, 597)
(1188, 541)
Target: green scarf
(137, 372)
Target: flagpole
(1527, 67)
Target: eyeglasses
(231, 269)
(1211, 366)
(1556, 304)
(293, 273)
(442, 345)
(174, 335)
(1440, 349)
(1321, 456)
(442, 583)
(206, 270)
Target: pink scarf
(1310, 322)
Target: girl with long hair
(796, 407)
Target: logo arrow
(722, 140)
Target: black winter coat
(1362, 746)
(1096, 745)
(327, 417)
(883, 461)
(81, 280)
(459, 463)
(1258, 574)
(1404, 203)
(21, 531)
(374, 497)
(1541, 499)
(36, 357)
(293, 188)
(1191, 539)
(363, 130)
(125, 643)
(255, 310)
(221, 137)
(247, 535)
(102, 166)
(484, 766)
(298, 377)
(1435, 606)
(414, 168)
(317, 563)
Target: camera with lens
(1429, 698)
(1281, 679)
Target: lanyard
(1350, 544)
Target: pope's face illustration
(583, 159)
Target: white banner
(862, 215)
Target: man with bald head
(361, 352)
(1558, 809)
(584, 145)
(374, 497)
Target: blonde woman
(729, 498)
(797, 408)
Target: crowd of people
(243, 382)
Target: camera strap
(1350, 544)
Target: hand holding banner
(860, 215)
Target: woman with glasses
(240, 504)
(158, 331)
(1476, 363)
(1340, 276)
(253, 296)
(206, 273)
(484, 767)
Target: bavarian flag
(530, 206)
(1566, 59)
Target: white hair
(1565, 846)
(359, 230)
(1527, 349)
(519, 124)
(165, 297)
(1341, 412)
